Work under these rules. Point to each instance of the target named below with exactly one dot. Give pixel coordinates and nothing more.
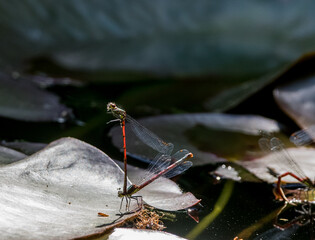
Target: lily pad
(58, 192)
(261, 167)
(297, 99)
(23, 100)
(27, 148)
(75, 180)
(163, 37)
(127, 234)
(227, 172)
(44, 81)
(163, 193)
(179, 129)
(234, 172)
(8, 155)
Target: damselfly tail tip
(190, 155)
(301, 138)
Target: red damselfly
(283, 158)
(162, 165)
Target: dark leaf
(175, 38)
(27, 148)
(297, 99)
(22, 100)
(8, 155)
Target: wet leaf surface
(58, 192)
(203, 143)
(46, 81)
(163, 193)
(127, 233)
(224, 143)
(121, 49)
(297, 100)
(304, 157)
(22, 100)
(27, 148)
(234, 172)
(164, 37)
(8, 155)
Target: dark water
(249, 213)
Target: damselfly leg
(283, 158)
(162, 165)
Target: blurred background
(62, 61)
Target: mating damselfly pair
(306, 192)
(164, 164)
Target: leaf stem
(218, 208)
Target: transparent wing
(178, 169)
(179, 155)
(264, 144)
(162, 161)
(159, 163)
(149, 138)
(303, 137)
(285, 158)
(280, 155)
(179, 158)
(172, 166)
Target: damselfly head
(119, 113)
(111, 106)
